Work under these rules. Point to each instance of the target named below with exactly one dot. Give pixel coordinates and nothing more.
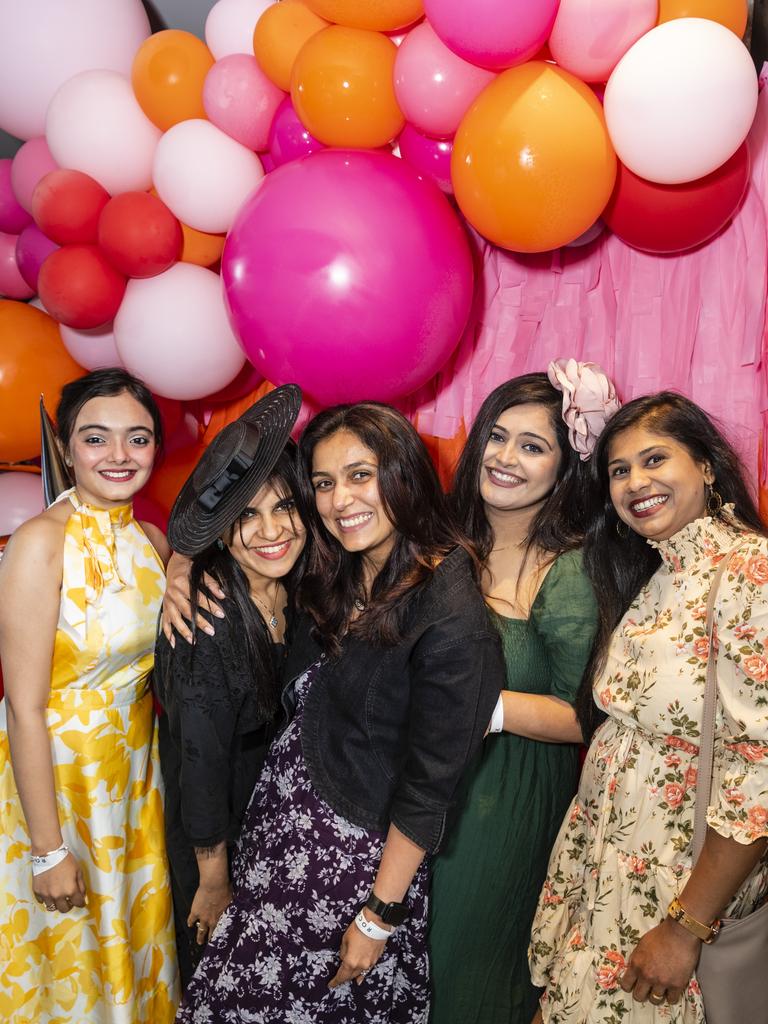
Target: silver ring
(48, 906)
(362, 974)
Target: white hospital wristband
(371, 929)
(497, 718)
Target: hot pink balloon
(12, 284)
(21, 498)
(434, 86)
(492, 33)
(430, 157)
(92, 349)
(288, 138)
(240, 99)
(349, 274)
(32, 249)
(31, 163)
(13, 216)
(590, 37)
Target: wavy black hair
(414, 502)
(620, 566)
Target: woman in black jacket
(393, 676)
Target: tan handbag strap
(707, 737)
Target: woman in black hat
(392, 674)
(237, 517)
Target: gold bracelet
(706, 932)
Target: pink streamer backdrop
(694, 322)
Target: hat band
(232, 473)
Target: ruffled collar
(99, 526)
(698, 540)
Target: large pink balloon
(93, 349)
(32, 250)
(288, 138)
(349, 274)
(172, 331)
(12, 284)
(589, 37)
(21, 498)
(240, 99)
(492, 33)
(95, 125)
(13, 216)
(434, 86)
(45, 42)
(31, 163)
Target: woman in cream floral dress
(86, 934)
(674, 504)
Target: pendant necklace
(272, 620)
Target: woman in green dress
(518, 492)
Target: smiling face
(269, 536)
(111, 450)
(521, 460)
(656, 486)
(345, 480)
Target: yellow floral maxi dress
(112, 962)
(624, 849)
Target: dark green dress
(486, 880)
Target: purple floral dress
(300, 874)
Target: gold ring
(202, 927)
(656, 998)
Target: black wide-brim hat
(238, 461)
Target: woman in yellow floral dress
(86, 933)
(672, 505)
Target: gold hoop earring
(714, 501)
(623, 534)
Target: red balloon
(79, 287)
(672, 218)
(66, 206)
(139, 234)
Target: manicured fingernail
(219, 613)
(173, 641)
(210, 631)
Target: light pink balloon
(681, 100)
(492, 33)
(589, 37)
(434, 87)
(173, 332)
(230, 24)
(91, 349)
(31, 163)
(13, 216)
(12, 284)
(240, 99)
(45, 42)
(96, 125)
(203, 175)
(21, 498)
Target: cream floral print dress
(113, 961)
(624, 849)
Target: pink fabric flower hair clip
(589, 401)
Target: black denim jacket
(387, 732)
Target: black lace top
(213, 738)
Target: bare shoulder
(36, 547)
(158, 540)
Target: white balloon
(203, 175)
(172, 331)
(680, 101)
(230, 24)
(45, 42)
(21, 497)
(94, 349)
(96, 125)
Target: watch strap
(390, 913)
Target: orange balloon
(342, 88)
(168, 74)
(200, 247)
(378, 15)
(731, 13)
(33, 361)
(280, 33)
(532, 164)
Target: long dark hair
(218, 562)
(414, 502)
(106, 383)
(559, 524)
(620, 565)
